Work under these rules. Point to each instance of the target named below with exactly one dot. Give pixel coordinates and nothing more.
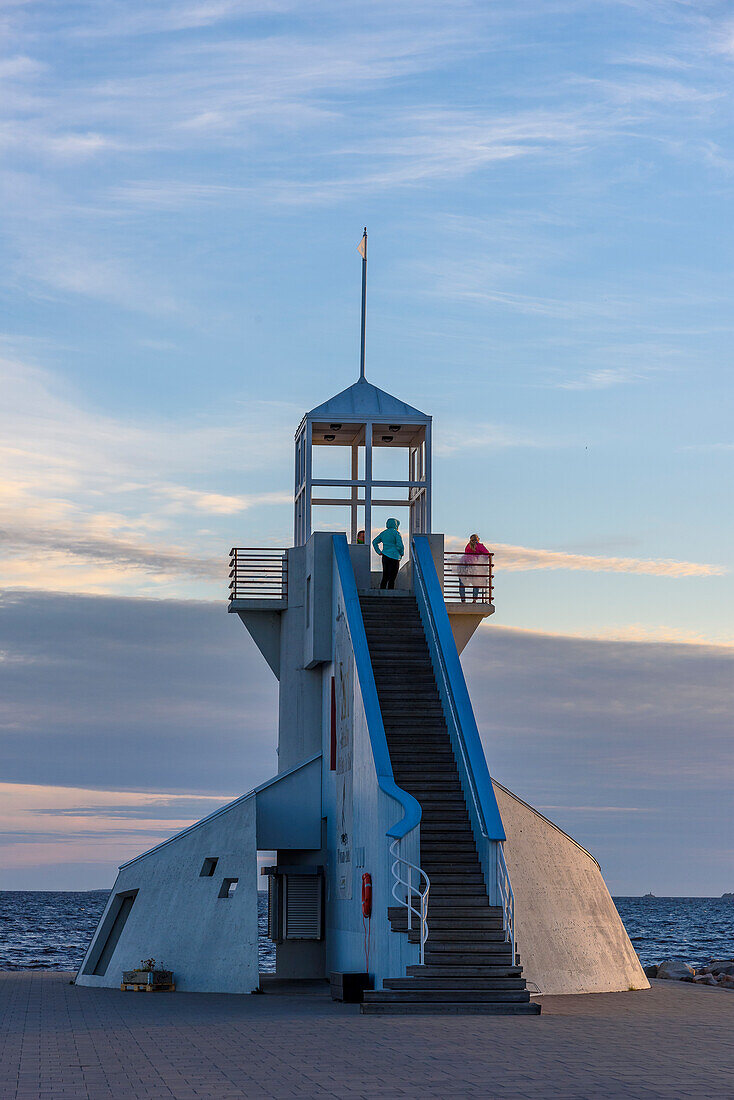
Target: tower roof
(363, 401)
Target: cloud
(601, 379)
(152, 17)
(120, 714)
(473, 437)
(512, 559)
(91, 502)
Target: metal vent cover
(303, 907)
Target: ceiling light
(335, 427)
(394, 427)
(329, 438)
(387, 439)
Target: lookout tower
(398, 866)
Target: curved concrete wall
(569, 934)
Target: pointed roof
(363, 401)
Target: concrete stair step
(457, 890)
(445, 856)
(463, 957)
(456, 852)
(418, 724)
(469, 972)
(430, 758)
(461, 906)
(436, 791)
(448, 1008)
(429, 770)
(445, 947)
(446, 883)
(432, 869)
(481, 983)
(459, 935)
(475, 923)
(442, 851)
(457, 995)
(439, 785)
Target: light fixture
(335, 427)
(329, 438)
(395, 427)
(387, 439)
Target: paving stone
(59, 1041)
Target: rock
(720, 966)
(675, 970)
(651, 971)
(705, 979)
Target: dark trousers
(390, 568)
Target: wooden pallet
(147, 987)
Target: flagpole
(363, 251)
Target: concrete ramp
(569, 934)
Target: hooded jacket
(392, 543)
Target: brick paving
(62, 1041)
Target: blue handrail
(365, 675)
(455, 686)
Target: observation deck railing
(467, 578)
(258, 574)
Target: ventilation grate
(303, 907)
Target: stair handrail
(410, 893)
(508, 898)
(461, 711)
(375, 727)
(465, 735)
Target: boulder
(705, 979)
(651, 971)
(675, 970)
(720, 966)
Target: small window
(229, 885)
(209, 866)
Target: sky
(547, 188)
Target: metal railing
(467, 578)
(258, 574)
(411, 893)
(508, 898)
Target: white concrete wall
(299, 702)
(374, 813)
(569, 934)
(177, 918)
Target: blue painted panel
(378, 740)
(456, 684)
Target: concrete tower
(401, 865)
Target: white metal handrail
(410, 893)
(508, 898)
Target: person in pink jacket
(474, 569)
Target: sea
(44, 930)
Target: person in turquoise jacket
(389, 545)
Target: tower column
(368, 481)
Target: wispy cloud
(94, 503)
(511, 558)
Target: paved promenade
(57, 1040)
